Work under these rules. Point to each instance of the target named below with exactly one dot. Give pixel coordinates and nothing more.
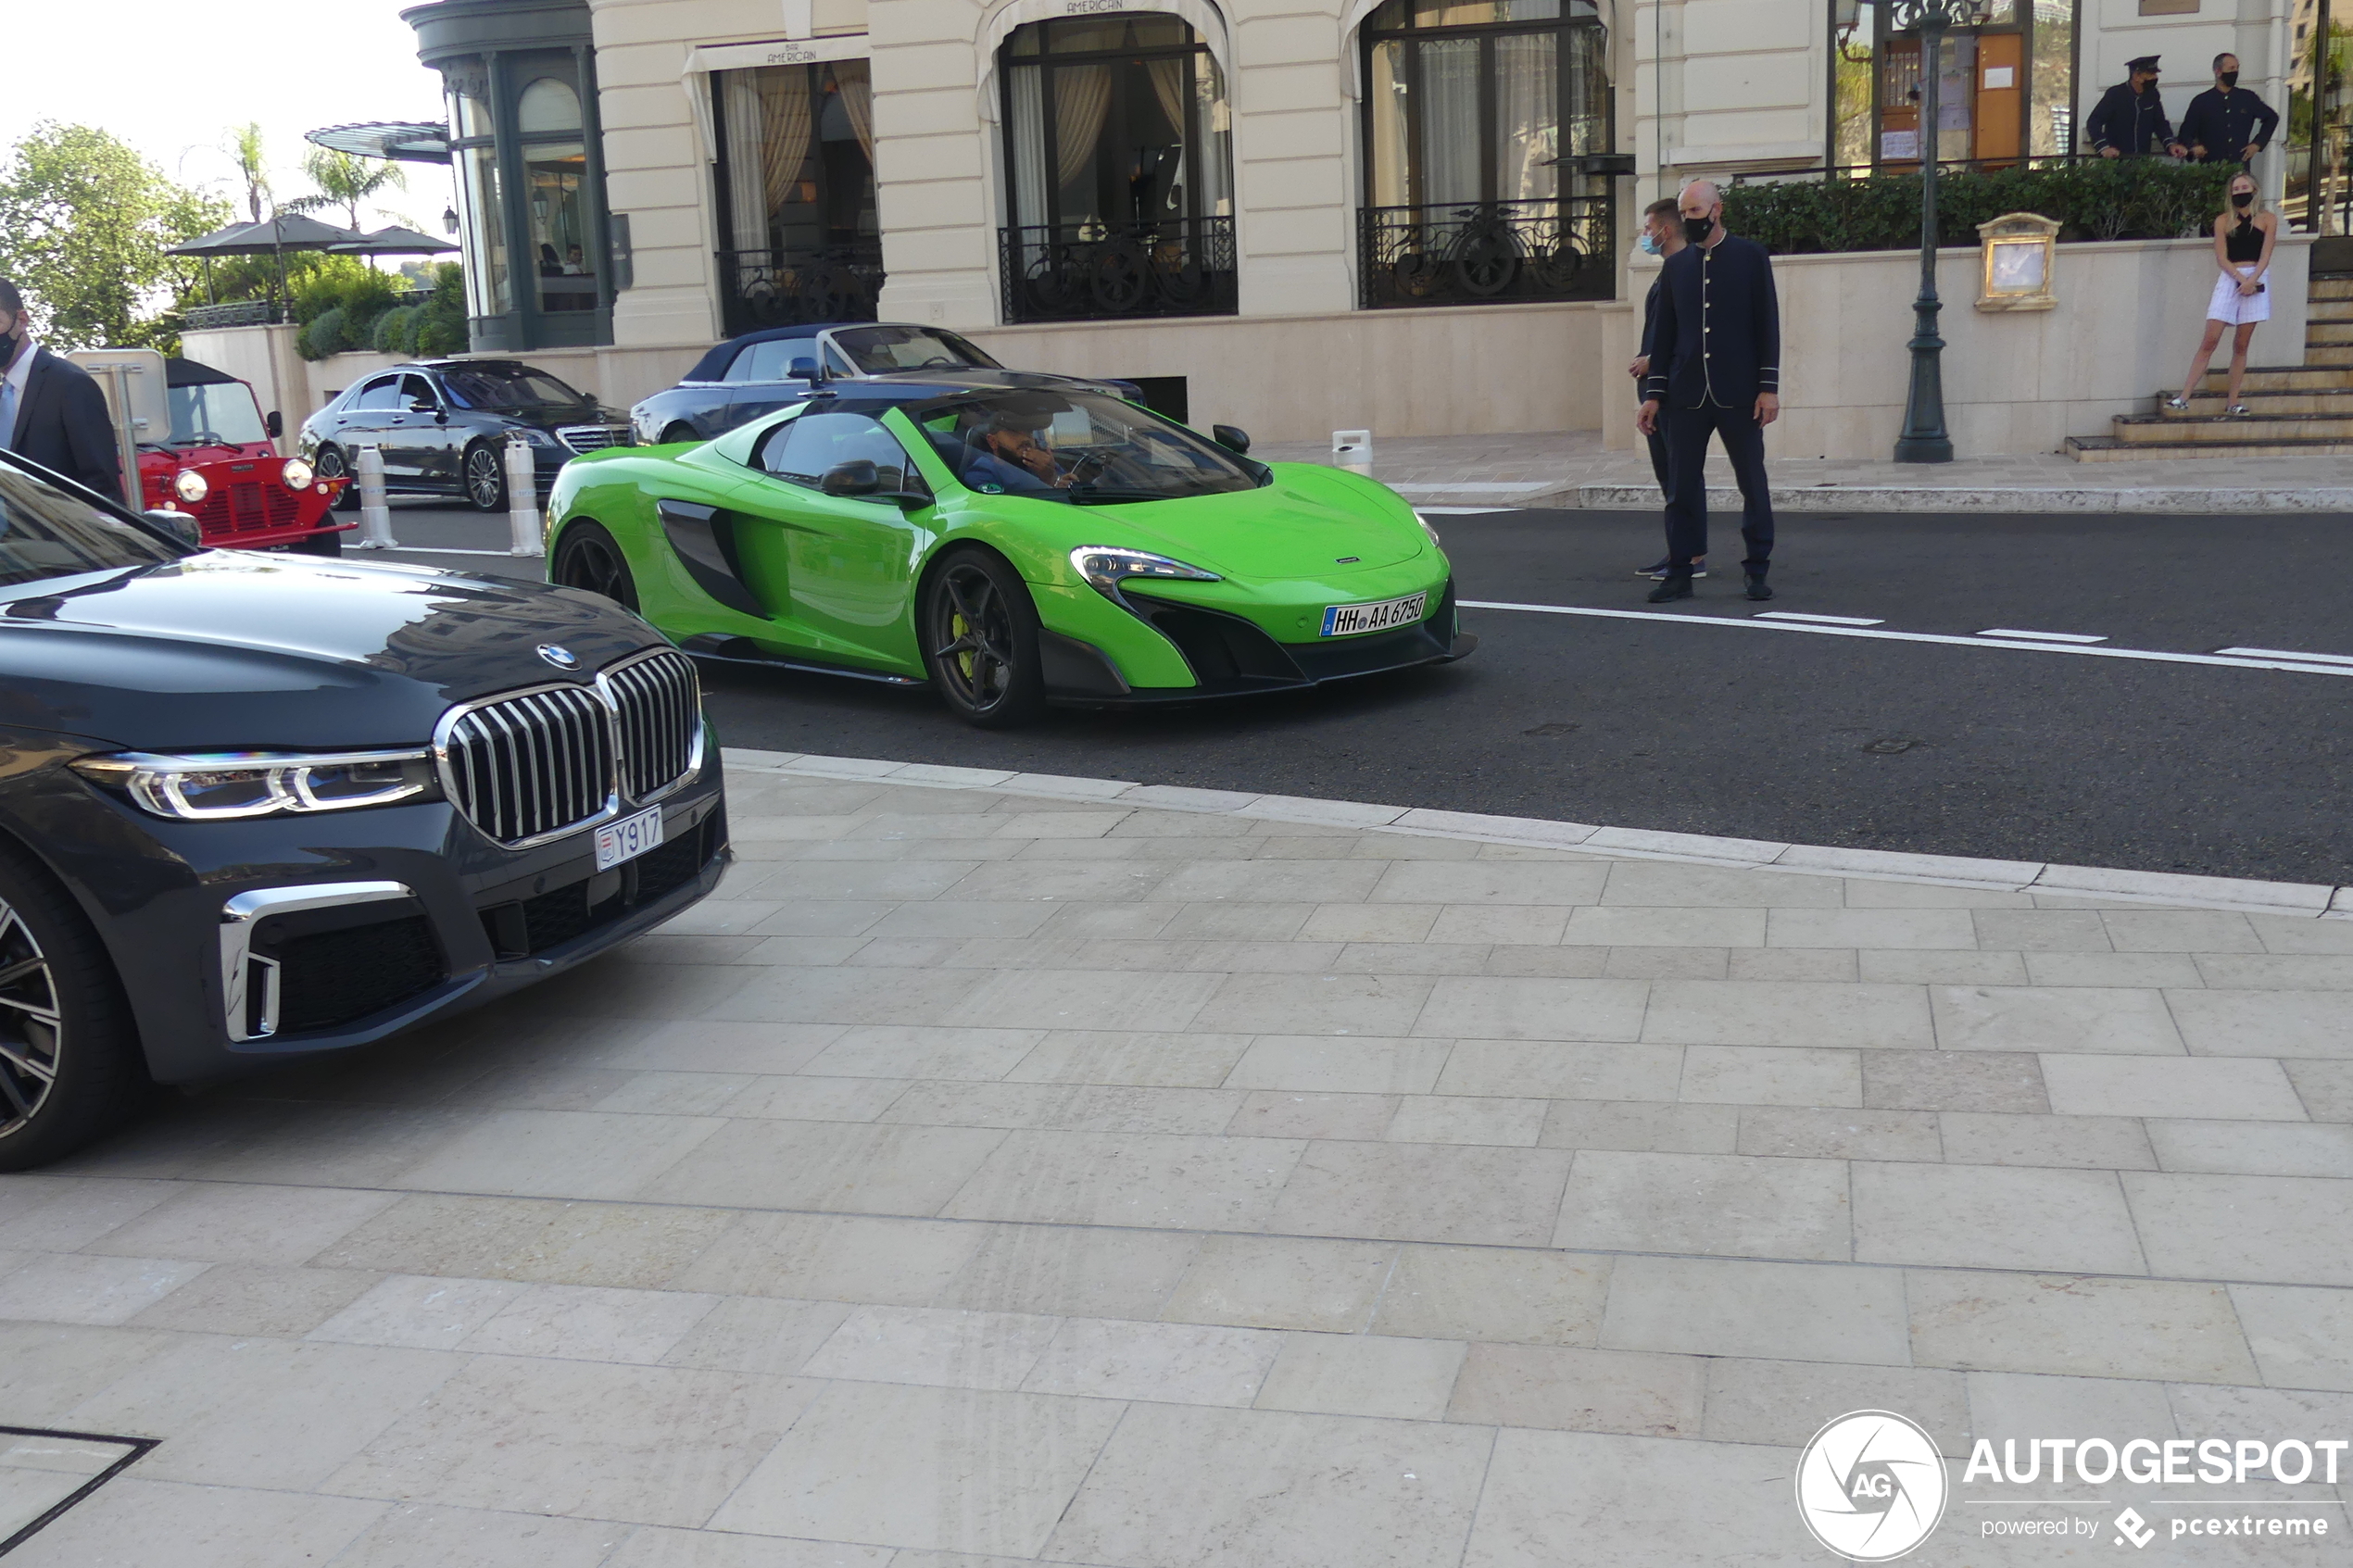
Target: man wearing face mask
(2227, 123)
(1715, 368)
(2130, 120)
(1662, 236)
(51, 411)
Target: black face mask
(2228, 78)
(1696, 230)
(11, 345)
(2242, 198)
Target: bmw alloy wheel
(31, 1022)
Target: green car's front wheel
(979, 634)
(587, 557)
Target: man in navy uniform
(2226, 123)
(50, 408)
(1715, 369)
(2130, 120)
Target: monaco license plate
(628, 838)
(1342, 620)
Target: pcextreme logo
(1870, 1485)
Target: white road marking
(2292, 662)
(2283, 652)
(2040, 636)
(1819, 619)
(1461, 511)
(437, 550)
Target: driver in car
(1010, 455)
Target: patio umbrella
(271, 236)
(395, 240)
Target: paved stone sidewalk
(1054, 1179)
(1570, 469)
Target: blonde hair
(2230, 187)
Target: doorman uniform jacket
(2130, 122)
(62, 424)
(2226, 124)
(1715, 336)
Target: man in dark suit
(2226, 123)
(50, 409)
(2130, 119)
(1715, 369)
(1662, 237)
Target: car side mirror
(275, 422)
(180, 525)
(803, 369)
(856, 477)
(1232, 437)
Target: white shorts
(2237, 309)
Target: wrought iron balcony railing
(1092, 272)
(236, 313)
(762, 288)
(1486, 253)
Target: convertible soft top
(714, 365)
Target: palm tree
(344, 179)
(245, 145)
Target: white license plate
(1342, 620)
(628, 838)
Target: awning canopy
(287, 231)
(408, 141)
(395, 240)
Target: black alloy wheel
(980, 632)
(588, 557)
(330, 464)
(485, 477)
(68, 1055)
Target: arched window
(1488, 141)
(1119, 163)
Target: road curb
(2185, 500)
(2310, 900)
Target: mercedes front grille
(593, 438)
(528, 766)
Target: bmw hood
(231, 650)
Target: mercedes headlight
(1106, 567)
(535, 435)
(297, 473)
(225, 785)
(190, 486)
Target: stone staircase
(2299, 411)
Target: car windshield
(1077, 446)
(478, 387)
(45, 532)
(215, 414)
(880, 350)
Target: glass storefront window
(2318, 198)
(2003, 88)
(1115, 121)
(557, 196)
(481, 218)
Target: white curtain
(1450, 121)
(1029, 131)
(1392, 174)
(784, 105)
(1082, 97)
(1528, 116)
(747, 190)
(858, 102)
(1214, 168)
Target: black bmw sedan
(443, 425)
(257, 806)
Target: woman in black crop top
(2244, 236)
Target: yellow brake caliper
(959, 625)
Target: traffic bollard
(1352, 450)
(522, 499)
(375, 515)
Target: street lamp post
(1924, 439)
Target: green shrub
(323, 334)
(441, 321)
(436, 336)
(395, 331)
(342, 284)
(2094, 199)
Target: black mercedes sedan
(442, 426)
(254, 806)
(759, 372)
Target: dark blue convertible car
(761, 372)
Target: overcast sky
(172, 80)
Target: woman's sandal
(2238, 411)
(2178, 405)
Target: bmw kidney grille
(530, 765)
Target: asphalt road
(1654, 722)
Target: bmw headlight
(225, 785)
(190, 486)
(1107, 566)
(297, 473)
(1430, 529)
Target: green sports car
(1011, 545)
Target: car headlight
(535, 435)
(225, 785)
(297, 473)
(190, 486)
(1106, 566)
(1430, 529)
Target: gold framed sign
(2021, 251)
